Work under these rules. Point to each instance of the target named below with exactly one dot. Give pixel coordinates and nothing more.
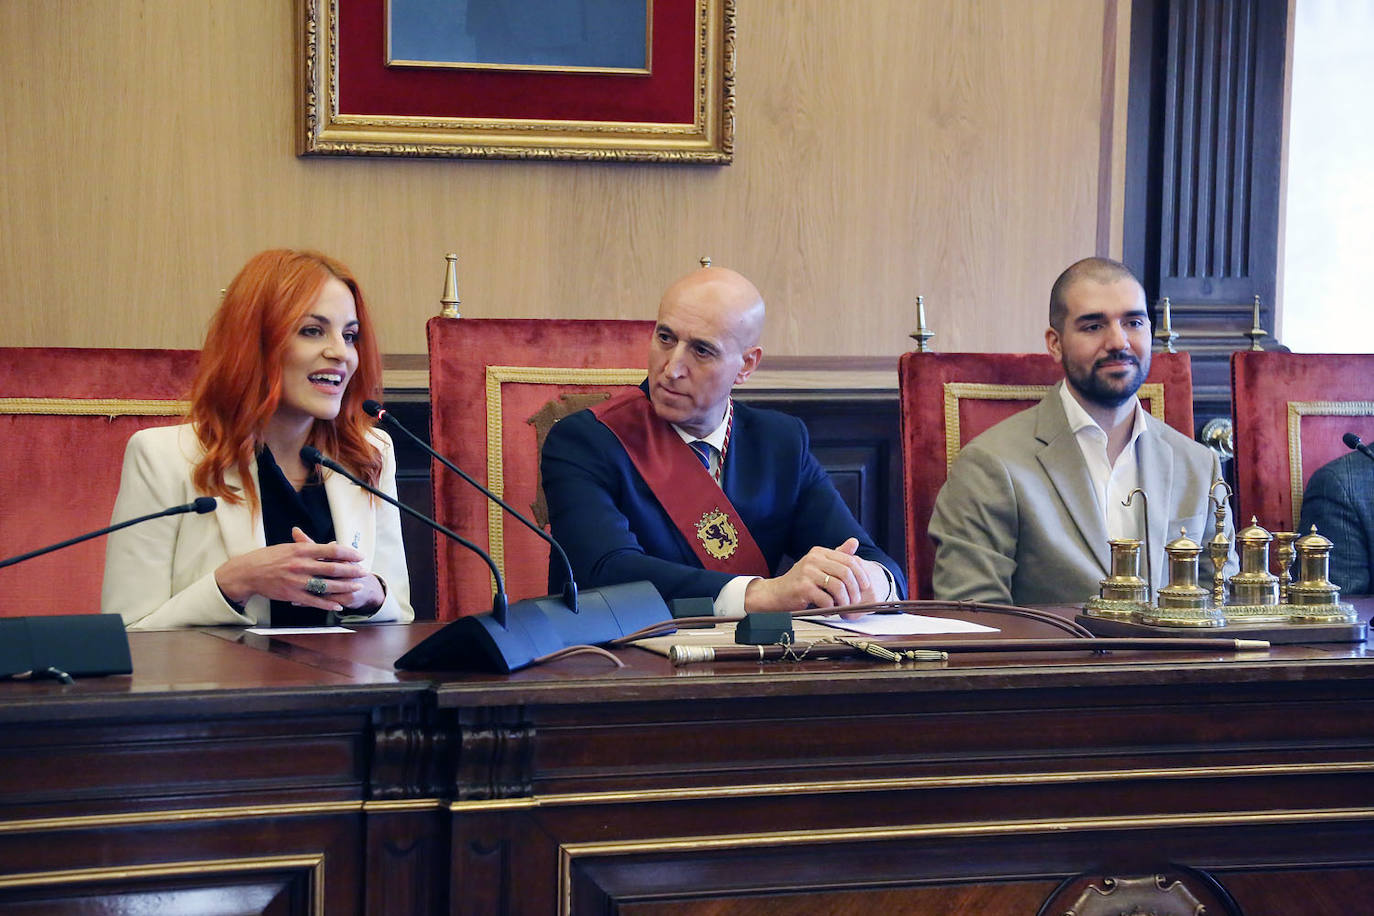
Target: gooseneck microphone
(312, 456)
(375, 409)
(1353, 441)
(200, 505)
(535, 627)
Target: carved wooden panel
(494, 754)
(280, 892)
(1202, 185)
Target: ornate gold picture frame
(680, 110)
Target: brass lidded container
(1123, 595)
(1254, 584)
(1183, 602)
(1255, 590)
(1314, 598)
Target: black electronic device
(692, 607)
(765, 629)
(64, 646)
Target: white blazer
(161, 573)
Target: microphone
(1354, 442)
(200, 505)
(535, 627)
(312, 456)
(375, 409)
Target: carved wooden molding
(495, 754)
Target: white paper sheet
(295, 631)
(901, 625)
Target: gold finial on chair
(1166, 335)
(704, 260)
(449, 300)
(922, 334)
(1256, 332)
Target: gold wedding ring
(825, 581)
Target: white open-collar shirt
(1112, 483)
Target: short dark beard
(1096, 390)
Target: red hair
(239, 380)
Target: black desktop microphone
(375, 409)
(312, 456)
(67, 645)
(1353, 441)
(537, 626)
(200, 505)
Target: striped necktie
(703, 450)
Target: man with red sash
(676, 484)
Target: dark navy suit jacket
(614, 530)
(1339, 500)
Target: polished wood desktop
(303, 774)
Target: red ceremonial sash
(686, 490)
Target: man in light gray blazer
(1029, 506)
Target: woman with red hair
(289, 358)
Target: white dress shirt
(1112, 483)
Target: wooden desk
(302, 774)
(222, 776)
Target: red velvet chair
(65, 416)
(1289, 412)
(496, 385)
(948, 398)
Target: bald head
(706, 341)
(727, 296)
(1104, 271)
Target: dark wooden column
(1204, 137)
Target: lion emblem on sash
(717, 534)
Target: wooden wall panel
(944, 147)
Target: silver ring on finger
(316, 586)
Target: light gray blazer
(1017, 521)
(161, 573)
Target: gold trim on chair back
(1296, 411)
(93, 407)
(496, 478)
(1152, 392)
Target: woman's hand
(282, 572)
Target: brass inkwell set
(1302, 609)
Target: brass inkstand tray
(1261, 606)
(1275, 633)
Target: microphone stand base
(536, 627)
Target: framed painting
(631, 80)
